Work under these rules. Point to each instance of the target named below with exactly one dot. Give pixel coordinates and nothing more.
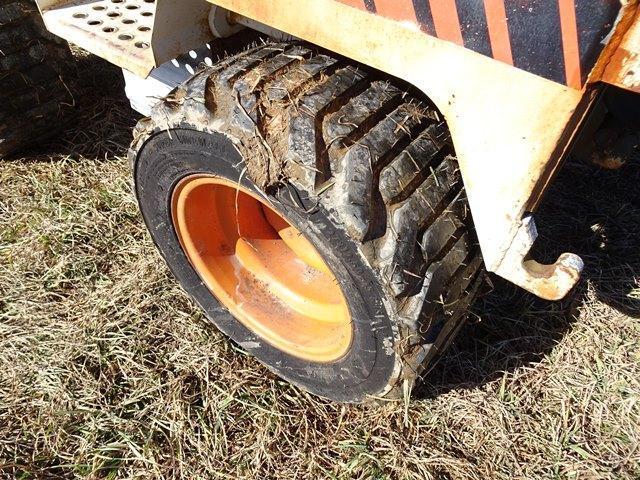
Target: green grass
(108, 370)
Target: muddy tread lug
(400, 253)
(32, 54)
(15, 82)
(442, 314)
(34, 102)
(361, 113)
(250, 87)
(356, 182)
(226, 77)
(428, 197)
(15, 37)
(293, 82)
(13, 11)
(255, 80)
(37, 122)
(467, 273)
(439, 273)
(446, 281)
(225, 63)
(445, 228)
(411, 167)
(307, 153)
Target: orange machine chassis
(512, 117)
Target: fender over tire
(364, 170)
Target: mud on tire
(35, 72)
(362, 168)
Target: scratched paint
(560, 40)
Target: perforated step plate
(144, 93)
(136, 35)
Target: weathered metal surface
(179, 27)
(507, 124)
(555, 39)
(510, 126)
(136, 35)
(623, 68)
(551, 282)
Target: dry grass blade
(107, 370)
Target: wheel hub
(261, 268)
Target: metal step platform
(133, 34)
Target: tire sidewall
(368, 367)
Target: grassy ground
(108, 370)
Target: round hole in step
(142, 45)
(99, 7)
(113, 14)
(80, 15)
(144, 28)
(128, 21)
(109, 29)
(132, 7)
(94, 22)
(125, 36)
(147, 14)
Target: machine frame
(511, 118)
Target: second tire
(36, 79)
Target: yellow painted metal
(510, 128)
(623, 68)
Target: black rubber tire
(36, 78)
(362, 168)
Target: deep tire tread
(358, 180)
(35, 94)
(413, 165)
(379, 159)
(306, 145)
(361, 113)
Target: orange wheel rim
(261, 268)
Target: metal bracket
(551, 282)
